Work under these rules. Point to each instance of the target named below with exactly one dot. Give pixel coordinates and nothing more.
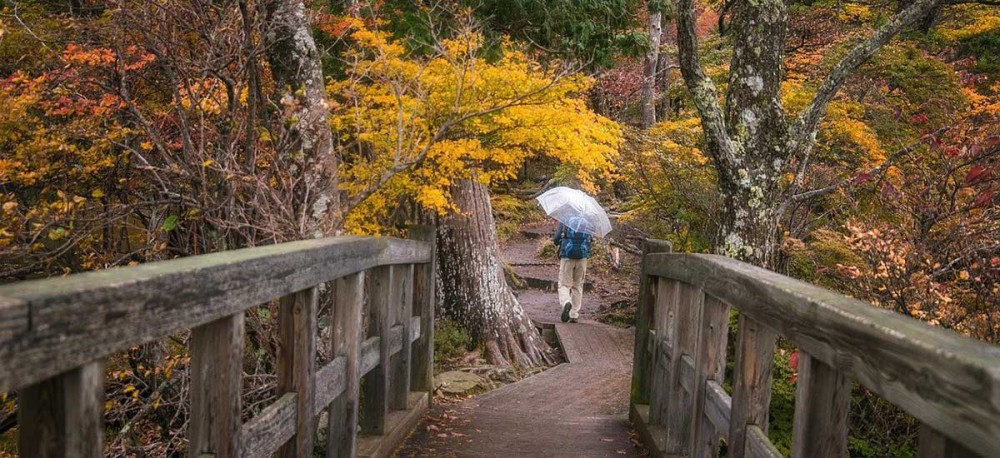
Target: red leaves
(861, 178)
(793, 360)
(919, 118)
(976, 173)
(984, 199)
(952, 151)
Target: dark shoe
(573, 320)
(565, 313)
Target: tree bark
(649, 70)
(301, 94)
(749, 139)
(475, 292)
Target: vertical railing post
(216, 377)
(63, 416)
(680, 398)
(349, 297)
(933, 444)
(822, 401)
(297, 365)
(422, 372)
(665, 323)
(710, 364)
(642, 362)
(751, 382)
(375, 402)
(402, 305)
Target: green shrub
(451, 340)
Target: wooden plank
(83, 317)
(946, 380)
(822, 402)
(216, 379)
(330, 383)
(63, 417)
(346, 345)
(267, 432)
(644, 314)
(664, 322)
(713, 333)
(375, 399)
(718, 407)
(759, 446)
(422, 372)
(415, 330)
(751, 382)
(14, 318)
(680, 404)
(370, 354)
(401, 301)
(686, 373)
(399, 425)
(297, 365)
(933, 444)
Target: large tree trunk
(649, 70)
(750, 140)
(475, 292)
(301, 94)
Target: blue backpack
(573, 244)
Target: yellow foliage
(417, 124)
(969, 20)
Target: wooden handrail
(55, 333)
(949, 382)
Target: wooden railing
(55, 334)
(950, 383)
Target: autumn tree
(750, 138)
(438, 131)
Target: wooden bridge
(55, 334)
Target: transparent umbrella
(576, 209)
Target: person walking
(574, 249)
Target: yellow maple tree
(414, 124)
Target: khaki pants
(571, 273)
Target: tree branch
(877, 171)
(706, 98)
(804, 130)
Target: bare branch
(706, 98)
(877, 171)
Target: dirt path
(576, 409)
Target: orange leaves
(78, 55)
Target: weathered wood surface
(275, 425)
(345, 343)
(933, 444)
(822, 402)
(644, 321)
(401, 303)
(63, 417)
(710, 366)
(665, 323)
(759, 446)
(680, 386)
(48, 326)
(297, 365)
(375, 399)
(422, 374)
(216, 376)
(751, 382)
(948, 381)
(718, 407)
(572, 410)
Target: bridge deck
(575, 409)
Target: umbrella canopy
(576, 209)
